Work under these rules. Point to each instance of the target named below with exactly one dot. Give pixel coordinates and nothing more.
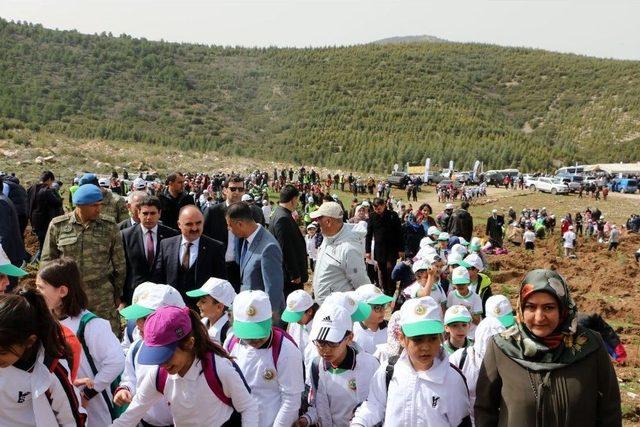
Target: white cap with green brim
(475, 244)
(148, 297)
(426, 241)
(456, 258)
(499, 306)
(421, 316)
(457, 313)
(372, 295)
(219, 289)
(252, 315)
(443, 236)
(463, 241)
(474, 261)
(7, 268)
(433, 230)
(331, 323)
(460, 276)
(358, 310)
(458, 248)
(298, 302)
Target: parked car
(493, 178)
(573, 181)
(624, 185)
(398, 179)
(549, 185)
(435, 178)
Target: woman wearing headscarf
(547, 371)
(412, 233)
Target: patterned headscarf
(567, 344)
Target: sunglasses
(327, 344)
(234, 189)
(378, 308)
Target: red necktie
(150, 248)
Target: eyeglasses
(234, 189)
(328, 344)
(378, 308)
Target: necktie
(185, 258)
(245, 245)
(150, 247)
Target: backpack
(210, 374)
(279, 335)
(463, 358)
(113, 410)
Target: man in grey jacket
(340, 265)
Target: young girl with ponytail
(203, 386)
(35, 389)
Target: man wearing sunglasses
(215, 224)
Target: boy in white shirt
(340, 377)
(269, 359)
(310, 241)
(457, 321)
(214, 302)
(464, 296)
(427, 272)
(529, 238)
(373, 330)
(569, 239)
(420, 388)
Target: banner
(396, 167)
(427, 164)
(450, 167)
(476, 165)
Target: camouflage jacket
(96, 247)
(114, 206)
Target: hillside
(363, 107)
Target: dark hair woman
(547, 371)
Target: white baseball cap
(474, 260)
(219, 289)
(426, 241)
(252, 315)
(448, 206)
(459, 249)
(298, 302)
(457, 313)
(433, 230)
(443, 236)
(372, 295)
(312, 225)
(494, 211)
(103, 182)
(358, 310)
(499, 306)
(460, 276)
(456, 258)
(7, 268)
(475, 244)
(139, 184)
(148, 297)
(463, 241)
(246, 197)
(330, 209)
(331, 323)
(421, 316)
(424, 252)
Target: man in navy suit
(188, 260)
(258, 254)
(141, 243)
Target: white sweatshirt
(106, 353)
(24, 402)
(193, 403)
(300, 334)
(367, 339)
(278, 389)
(435, 398)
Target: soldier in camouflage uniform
(94, 242)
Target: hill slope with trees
(362, 107)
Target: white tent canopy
(615, 168)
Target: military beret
(87, 195)
(89, 178)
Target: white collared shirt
(215, 330)
(253, 235)
(154, 236)
(193, 251)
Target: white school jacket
(367, 339)
(300, 334)
(159, 414)
(277, 390)
(24, 401)
(216, 329)
(341, 391)
(434, 398)
(192, 402)
(107, 355)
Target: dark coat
(215, 222)
(171, 207)
(138, 270)
(126, 223)
(461, 224)
(292, 243)
(386, 230)
(10, 237)
(210, 262)
(412, 236)
(47, 206)
(494, 228)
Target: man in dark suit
(141, 244)
(385, 229)
(292, 243)
(133, 200)
(190, 259)
(173, 199)
(494, 228)
(215, 225)
(259, 256)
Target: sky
(602, 28)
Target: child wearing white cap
(340, 376)
(464, 296)
(372, 331)
(443, 246)
(479, 283)
(147, 298)
(311, 240)
(269, 359)
(457, 321)
(427, 284)
(215, 298)
(299, 314)
(420, 387)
